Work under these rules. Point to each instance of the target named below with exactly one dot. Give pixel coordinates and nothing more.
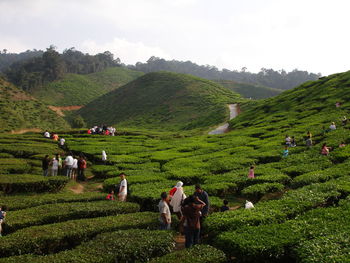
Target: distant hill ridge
(163, 100)
(19, 110)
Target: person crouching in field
(2, 218)
(110, 196)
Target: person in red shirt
(81, 168)
(191, 210)
(110, 196)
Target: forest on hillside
(279, 79)
(33, 69)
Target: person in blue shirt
(224, 207)
(285, 152)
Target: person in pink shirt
(251, 172)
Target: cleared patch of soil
(25, 131)
(60, 110)
(77, 189)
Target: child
(251, 172)
(224, 207)
(285, 152)
(2, 218)
(110, 196)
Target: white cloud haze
(310, 35)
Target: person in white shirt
(248, 205)
(47, 134)
(55, 164)
(123, 188)
(104, 156)
(74, 169)
(164, 211)
(68, 164)
(332, 127)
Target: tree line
(266, 77)
(45, 66)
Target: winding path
(224, 128)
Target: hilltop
(162, 100)
(21, 111)
(80, 89)
(248, 90)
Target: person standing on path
(45, 165)
(61, 143)
(164, 211)
(68, 164)
(123, 188)
(203, 196)
(81, 168)
(191, 221)
(74, 168)
(251, 172)
(104, 156)
(54, 167)
(177, 200)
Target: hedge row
(121, 246)
(16, 202)
(290, 205)
(256, 191)
(55, 237)
(196, 254)
(47, 214)
(282, 242)
(26, 183)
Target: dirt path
(25, 131)
(179, 242)
(77, 189)
(59, 110)
(234, 111)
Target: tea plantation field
(301, 201)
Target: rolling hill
(21, 111)
(76, 89)
(250, 90)
(307, 107)
(162, 100)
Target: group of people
(122, 190)
(54, 136)
(190, 211)
(73, 167)
(102, 130)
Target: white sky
(309, 35)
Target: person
(293, 142)
(104, 156)
(251, 172)
(81, 168)
(344, 121)
(285, 152)
(62, 143)
(225, 206)
(47, 134)
(45, 165)
(123, 188)
(164, 211)
(55, 137)
(54, 165)
(68, 164)
(308, 141)
(177, 199)
(308, 134)
(89, 131)
(248, 205)
(2, 218)
(342, 144)
(288, 140)
(332, 127)
(112, 131)
(191, 219)
(203, 196)
(110, 196)
(325, 149)
(337, 104)
(74, 168)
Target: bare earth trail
(234, 111)
(26, 130)
(59, 110)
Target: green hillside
(21, 111)
(250, 90)
(308, 106)
(162, 100)
(75, 89)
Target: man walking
(123, 188)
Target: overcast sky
(310, 35)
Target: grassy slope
(307, 107)
(250, 90)
(76, 89)
(21, 111)
(163, 100)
